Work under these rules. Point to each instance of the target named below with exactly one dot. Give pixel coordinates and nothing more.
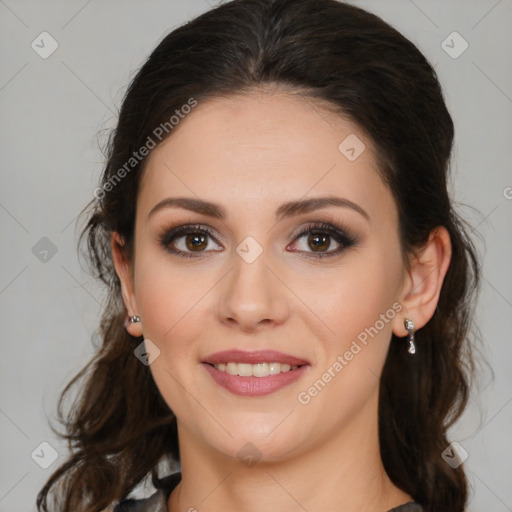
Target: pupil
(319, 241)
(194, 239)
(323, 241)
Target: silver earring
(409, 325)
(134, 319)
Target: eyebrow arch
(287, 209)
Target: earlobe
(425, 280)
(124, 272)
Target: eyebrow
(287, 209)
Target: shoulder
(157, 502)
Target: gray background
(52, 110)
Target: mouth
(254, 373)
(254, 370)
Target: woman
(290, 288)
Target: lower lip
(254, 386)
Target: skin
(250, 153)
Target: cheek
(350, 302)
(359, 310)
(168, 299)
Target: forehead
(278, 123)
(262, 148)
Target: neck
(345, 474)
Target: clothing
(157, 502)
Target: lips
(285, 370)
(258, 356)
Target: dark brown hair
(120, 427)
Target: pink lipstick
(257, 373)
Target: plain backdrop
(52, 112)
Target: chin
(263, 444)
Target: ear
(124, 271)
(422, 287)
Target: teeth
(254, 370)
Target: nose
(253, 296)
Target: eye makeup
(199, 232)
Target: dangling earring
(409, 325)
(134, 319)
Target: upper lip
(258, 356)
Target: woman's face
(329, 297)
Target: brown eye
(187, 241)
(319, 242)
(196, 242)
(320, 237)
(191, 241)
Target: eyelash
(340, 235)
